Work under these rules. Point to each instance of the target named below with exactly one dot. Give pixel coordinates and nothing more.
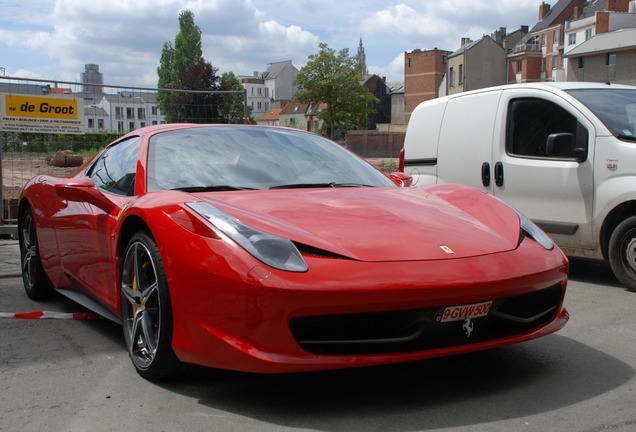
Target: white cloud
(125, 38)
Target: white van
(564, 154)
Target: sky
(54, 39)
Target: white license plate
(460, 313)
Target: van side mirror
(562, 145)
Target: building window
(519, 66)
(100, 123)
(556, 37)
(259, 106)
(461, 73)
(141, 113)
(130, 113)
(91, 123)
(451, 77)
(131, 126)
(589, 33)
(543, 61)
(118, 112)
(581, 62)
(611, 66)
(266, 91)
(572, 39)
(555, 62)
(153, 109)
(543, 39)
(408, 60)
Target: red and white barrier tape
(51, 315)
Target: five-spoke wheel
(146, 310)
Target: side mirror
(562, 145)
(401, 179)
(83, 190)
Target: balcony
(527, 48)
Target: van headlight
(529, 229)
(272, 250)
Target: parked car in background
(269, 249)
(562, 153)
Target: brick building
(424, 72)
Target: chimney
(545, 8)
(617, 5)
(578, 10)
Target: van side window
(532, 120)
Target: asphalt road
(71, 375)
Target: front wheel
(146, 310)
(35, 283)
(622, 253)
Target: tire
(34, 279)
(622, 253)
(146, 310)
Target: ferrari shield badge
(446, 249)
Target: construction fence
(50, 127)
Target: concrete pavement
(9, 258)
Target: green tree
(183, 68)
(232, 109)
(335, 79)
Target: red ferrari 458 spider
(268, 249)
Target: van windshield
(615, 107)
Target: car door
(466, 140)
(555, 190)
(87, 248)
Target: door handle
(485, 174)
(499, 175)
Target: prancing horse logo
(468, 327)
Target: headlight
(529, 229)
(274, 251)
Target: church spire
(361, 59)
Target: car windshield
(225, 158)
(615, 107)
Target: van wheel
(622, 253)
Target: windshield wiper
(626, 137)
(210, 188)
(318, 185)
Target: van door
(555, 190)
(466, 138)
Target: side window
(115, 169)
(531, 121)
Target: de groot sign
(41, 114)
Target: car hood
(380, 224)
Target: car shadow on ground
(506, 383)
(592, 271)
(511, 382)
